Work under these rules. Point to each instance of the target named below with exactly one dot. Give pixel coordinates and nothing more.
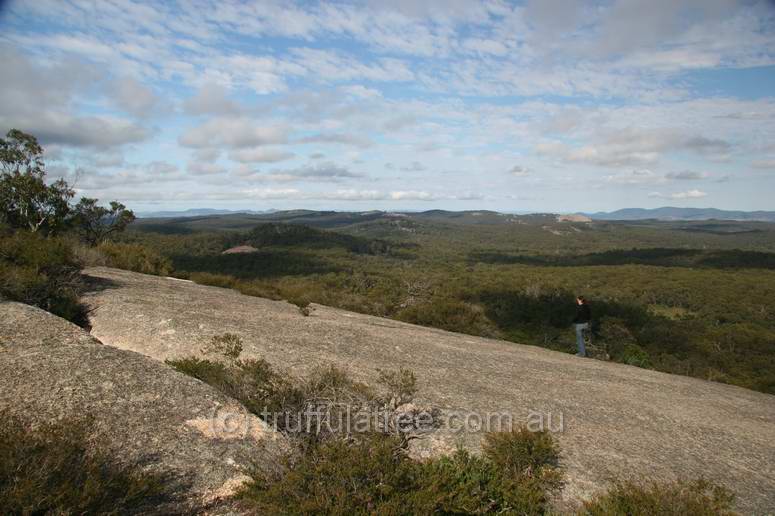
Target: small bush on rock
(302, 304)
(337, 468)
(698, 498)
(369, 476)
(374, 475)
(228, 345)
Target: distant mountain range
(485, 216)
(671, 213)
(195, 212)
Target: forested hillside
(691, 298)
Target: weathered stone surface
(620, 422)
(241, 249)
(52, 369)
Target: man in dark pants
(581, 323)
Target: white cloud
(31, 101)
(332, 66)
(768, 164)
(198, 168)
(432, 87)
(161, 168)
(134, 97)
(238, 132)
(79, 131)
(411, 195)
(690, 194)
(519, 171)
(344, 139)
(103, 159)
(351, 195)
(686, 175)
(268, 193)
(414, 166)
(260, 155)
(635, 177)
(211, 99)
(316, 172)
(634, 146)
(339, 195)
(485, 46)
(206, 154)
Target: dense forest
(691, 298)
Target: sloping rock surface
(619, 422)
(51, 370)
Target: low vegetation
(698, 498)
(43, 272)
(374, 475)
(700, 308)
(366, 470)
(58, 469)
(357, 471)
(324, 404)
(662, 257)
(133, 257)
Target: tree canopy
(96, 223)
(26, 200)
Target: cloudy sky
(548, 105)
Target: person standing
(581, 324)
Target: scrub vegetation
(352, 471)
(690, 298)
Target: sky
(537, 106)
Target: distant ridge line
(672, 213)
(667, 213)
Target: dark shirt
(583, 314)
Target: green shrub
(43, 272)
(698, 498)
(523, 453)
(227, 345)
(374, 475)
(369, 476)
(88, 256)
(208, 371)
(258, 288)
(534, 308)
(615, 333)
(325, 404)
(135, 257)
(449, 314)
(516, 474)
(621, 342)
(635, 355)
(214, 280)
(55, 469)
(302, 303)
(401, 385)
(350, 471)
